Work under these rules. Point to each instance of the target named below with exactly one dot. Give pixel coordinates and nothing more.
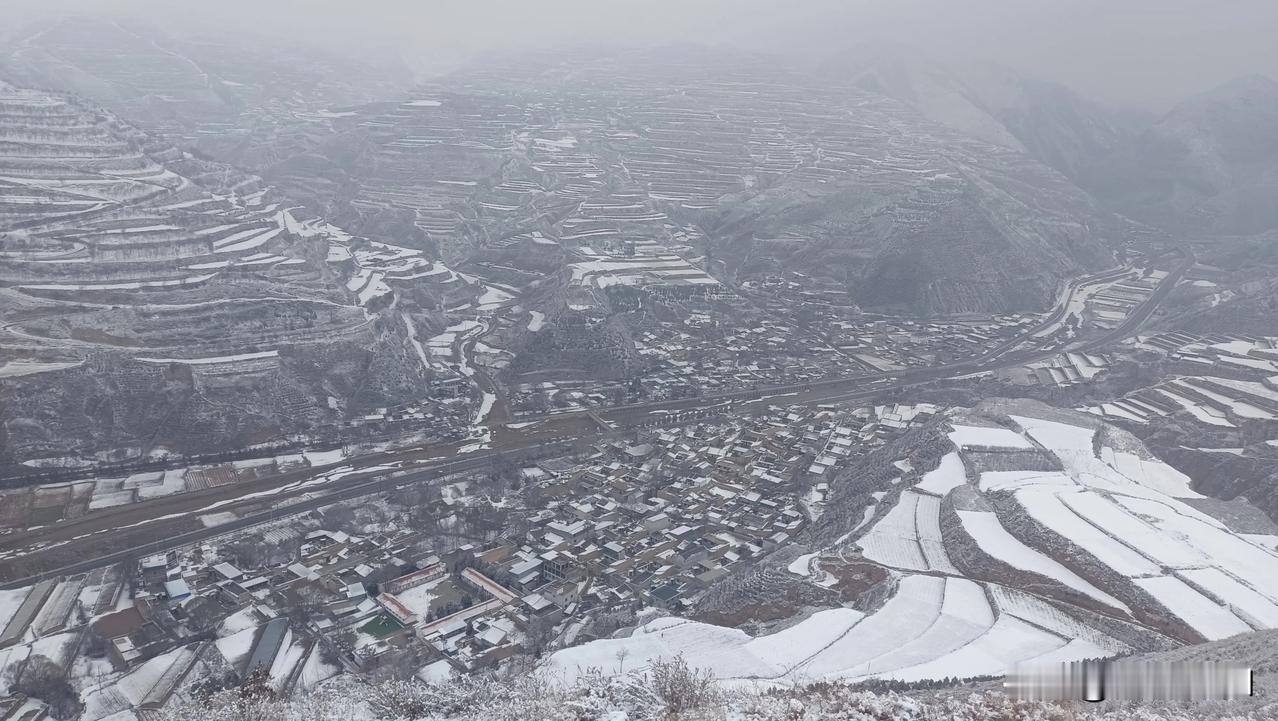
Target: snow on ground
(915, 608)
(243, 245)
(800, 565)
(792, 646)
(927, 521)
(324, 458)
(1163, 548)
(1244, 601)
(419, 598)
(909, 536)
(536, 320)
(10, 658)
(241, 620)
(12, 369)
(1048, 617)
(947, 476)
(893, 540)
(1044, 506)
(1152, 474)
(994, 652)
(485, 407)
(138, 683)
(919, 633)
(210, 520)
(1237, 556)
(1200, 613)
(1011, 480)
(492, 298)
(1072, 446)
(702, 645)
(1260, 390)
(1210, 416)
(981, 437)
(235, 648)
(1056, 436)
(440, 671)
(1242, 409)
(54, 647)
(291, 653)
(316, 671)
(992, 538)
(9, 603)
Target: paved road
(110, 535)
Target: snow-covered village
(732, 361)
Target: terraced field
(779, 174)
(153, 302)
(993, 568)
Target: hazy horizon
(1141, 54)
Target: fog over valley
(624, 362)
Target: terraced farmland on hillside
(154, 302)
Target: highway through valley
(111, 535)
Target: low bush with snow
(669, 691)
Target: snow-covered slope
(1103, 552)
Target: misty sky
(1142, 53)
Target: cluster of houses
(652, 521)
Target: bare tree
(42, 679)
(682, 688)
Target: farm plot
(1248, 604)
(893, 540)
(1008, 642)
(966, 437)
(702, 645)
(1150, 473)
(927, 519)
(1242, 409)
(916, 605)
(791, 647)
(1251, 388)
(1204, 414)
(1241, 558)
(965, 615)
(1150, 542)
(1198, 612)
(1044, 505)
(947, 476)
(1072, 445)
(909, 536)
(993, 539)
(930, 628)
(1046, 616)
(1011, 480)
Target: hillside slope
(1046, 120)
(1208, 166)
(857, 192)
(154, 302)
(1026, 534)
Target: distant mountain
(1046, 120)
(1210, 165)
(860, 193)
(224, 96)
